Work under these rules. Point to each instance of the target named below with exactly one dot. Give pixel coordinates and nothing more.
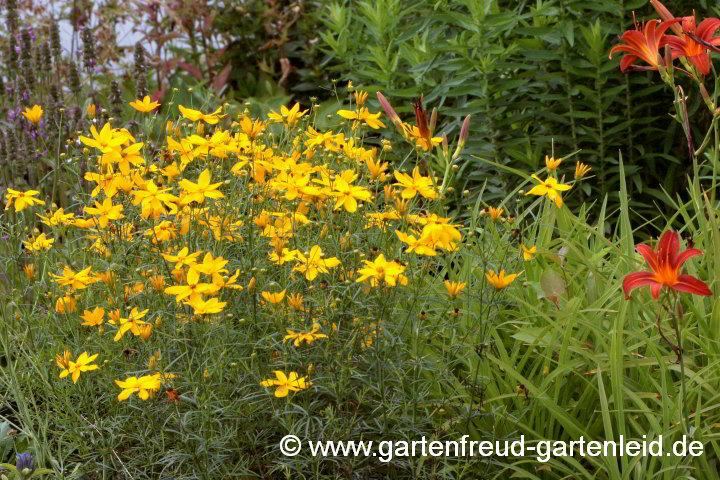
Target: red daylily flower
(665, 262)
(692, 42)
(644, 45)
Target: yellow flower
(195, 115)
(144, 105)
(29, 269)
(132, 323)
(552, 164)
(347, 195)
(549, 187)
(454, 288)
(286, 384)
(415, 184)
(106, 212)
(82, 364)
(158, 283)
(381, 271)
(360, 97)
(252, 128)
(314, 263)
(94, 318)
(63, 361)
(421, 246)
(581, 170)
(192, 290)
(66, 304)
(288, 117)
(22, 199)
(106, 139)
(182, 257)
(296, 302)
(153, 200)
(500, 281)
(76, 281)
(33, 114)
(143, 386)
(273, 298)
(528, 252)
(91, 110)
(145, 331)
(59, 217)
(205, 307)
(199, 191)
(300, 337)
(38, 243)
(363, 115)
(495, 213)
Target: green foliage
(534, 75)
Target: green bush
(536, 78)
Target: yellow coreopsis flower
(300, 337)
(38, 243)
(360, 97)
(313, 263)
(362, 115)
(286, 384)
(132, 323)
(380, 271)
(347, 195)
(197, 192)
(107, 138)
(195, 115)
(182, 257)
(82, 364)
(206, 307)
(153, 200)
(296, 302)
(66, 304)
(273, 298)
(76, 281)
(415, 184)
(252, 128)
(22, 199)
(105, 212)
(94, 318)
(495, 213)
(143, 386)
(552, 164)
(288, 117)
(549, 187)
(144, 105)
(59, 217)
(454, 288)
(500, 281)
(421, 246)
(581, 170)
(377, 170)
(33, 114)
(528, 252)
(29, 269)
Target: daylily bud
(390, 112)
(464, 134)
(433, 120)
(445, 147)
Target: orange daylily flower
(691, 42)
(665, 262)
(644, 45)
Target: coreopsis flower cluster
(174, 199)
